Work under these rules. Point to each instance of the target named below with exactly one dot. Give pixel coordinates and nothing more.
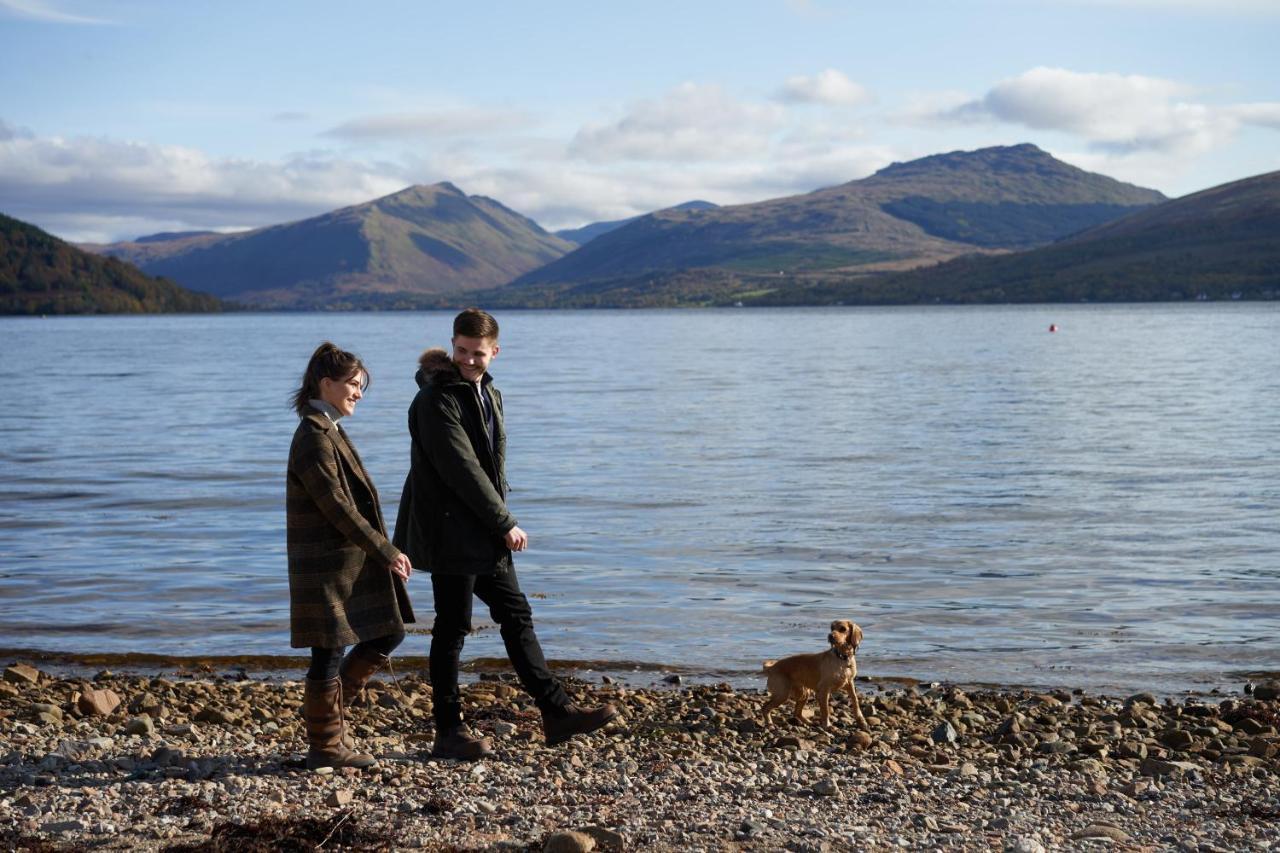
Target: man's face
(472, 356)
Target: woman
(346, 580)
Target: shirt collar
(332, 413)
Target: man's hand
(517, 539)
(401, 567)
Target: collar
(845, 658)
(331, 412)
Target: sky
(120, 118)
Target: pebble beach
(208, 762)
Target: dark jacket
(341, 589)
(453, 515)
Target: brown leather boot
(460, 744)
(322, 714)
(560, 724)
(355, 671)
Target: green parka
(453, 516)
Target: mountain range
(389, 252)
(906, 215)
(997, 224)
(587, 233)
(1220, 243)
(40, 274)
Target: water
(703, 489)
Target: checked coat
(341, 588)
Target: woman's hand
(401, 567)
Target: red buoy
(1053, 327)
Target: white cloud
(431, 124)
(829, 87)
(1110, 111)
(1260, 115)
(37, 10)
(52, 180)
(690, 123)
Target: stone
(139, 725)
(98, 703)
(1024, 844)
(1102, 830)
(338, 798)
(45, 709)
(826, 788)
(20, 673)
(61, 826)
(1267, 691)
(859, 740)
(568, 841)
(1177, 738)
(1160, 767)
(944, 733)
(605, 838)
(1250, 726)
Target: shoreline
(633, 674)
(160, 763)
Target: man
(454, 522)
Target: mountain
(396, 251)
(40, 274)
(1221, 243)
(904, 216)
(587, 233)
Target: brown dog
(822, 673)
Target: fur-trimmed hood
(435, 367)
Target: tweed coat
(453, 513)
(341, 587)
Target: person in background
(454, 521)
(346, 580)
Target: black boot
(559, 723)
(460, 744)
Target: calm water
(991, 502)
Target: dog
(822, 673)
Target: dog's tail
(768, 666)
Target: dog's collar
(845, 658)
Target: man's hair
(474, 323)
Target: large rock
(20, 673)
(1269, 690)
(568, 841)
(98, 703)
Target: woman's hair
(327, 362)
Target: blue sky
(124, 118)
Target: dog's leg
(824, 706)
(857, 708)
(801, 696)
(775, 699)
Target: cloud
(1259, 115)
(691, 123)
(37, 10)
(290, 116)
(829, 87)
(431, 124)
(53, 181)
(1111, 111)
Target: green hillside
(1221, 243)
(906, 215)
(396, 251)
(40, 274)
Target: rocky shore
(182, 763)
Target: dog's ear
(855, 635)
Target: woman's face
(343, 394)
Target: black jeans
(510, 609)
(325, 662)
